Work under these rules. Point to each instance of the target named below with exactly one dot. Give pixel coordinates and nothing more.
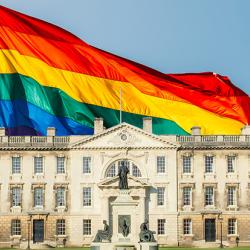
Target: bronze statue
(104, 234)
(123, 179)
(125, 228)
(146, 235)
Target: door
(38, 231)
(210, 231)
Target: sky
(172, 36)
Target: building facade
(194, 190)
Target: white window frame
(39, 166)
(60, 197)
(232, 226)
(16, 229)
(60, 165)
(187, 196)
(38, 197)
(15, 166)
(209, 196)
(87, 227)
(161, 226)
(189, 166)
(60, 227)
(231, 196)
(187, 226)
(161, 196)
(208, 165)
(87, 196)
(231, 164)
(16, 197)
(161, 164)
(86, 164)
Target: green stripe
(58, 103)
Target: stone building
(57, 190)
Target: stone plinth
(148, 246)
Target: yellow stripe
(105, 93)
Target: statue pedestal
(101, 246)
(148, 246)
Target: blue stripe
(18, 113)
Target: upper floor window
(87, 196)
(187, 226)
(161, 164)
(16, 196)
(87, 227)
(38, 165)
(60, 196)
(60, 165)
(231, 196)
(113, 168)
(186, 164)
(38, 197)
(60, 227)
(232, 226)
(231, 164)
(209, 164)
(86, 165)
(160, 196)
(161, 226)
(16, 165)
(187, 195)
(15, 227)
(209, 196)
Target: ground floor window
(161, 226)
(232, 226)
(60, 227)
(15, 227)
(86, 227)
(187, 226)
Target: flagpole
(120, 103)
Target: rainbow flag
(49, 77)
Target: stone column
(142, 212)
(105, 208)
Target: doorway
(210, 230)
(38, 231)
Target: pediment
(133, 182)
(124, 136)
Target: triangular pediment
(124, 136)
(133, 182)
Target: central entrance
(210, 231)
(38, 231)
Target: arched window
(113, 169)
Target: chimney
(98, 125)
(2, 131)
(196, 130)
(147, 124)
(245, 130)
(51, 131)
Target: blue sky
(173, 36)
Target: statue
(123, 179)
(146, 235)
(125, 228)
(104, 234)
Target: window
(231, 164)
(16, 165)
(60, 196)
(111, 171)
(38, 197)
(160, 196)
(60, 168)
(135, 171)
(15, 227)
(232, 229)
(231, 196)
(86, 165)
(86, 227)
(16, 196)
(161, 226)
(186, 161)
(209, 196)
(86, 196)
(161, 164)
(38, 165)
(60, 227)
(187, 226)
(209, 163)
(187, 196)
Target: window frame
(61, 197)
(38, 202)
(18, 196)
(189, 166)
(87, 201)
(60, 166)
(86, 169)
(161, 168)
(38, 166)
(161, 227)
(13, 165)
(60, 227)
(161, 196)
(232, 197)
(231, 168)
(87, 227)
(16, 229)
(232, 226)
(184, 196)
(209, 201)
(208, 165)
(187, 226)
